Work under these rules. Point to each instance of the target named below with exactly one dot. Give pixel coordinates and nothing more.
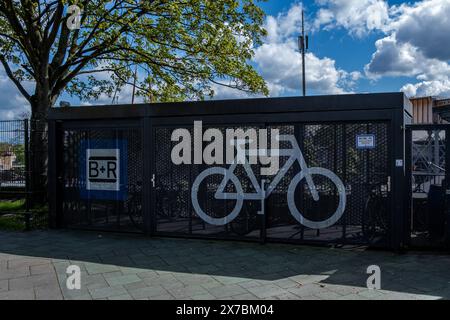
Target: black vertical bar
(27, 174)
(344, 174)
(408, 186)
(147, 187)
(263, 230)
(54, 159)
(447, 187)
(398, 179)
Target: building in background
(430, 110)
(7, 159)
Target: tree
(178, 50)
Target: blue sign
(365, 141)
(103, 169)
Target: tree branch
(13, 79)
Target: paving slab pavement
(121, 267)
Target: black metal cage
(353, 147)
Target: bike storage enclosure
(320, 169)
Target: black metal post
(27, 175)
(447, 187)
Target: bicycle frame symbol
(261, 193)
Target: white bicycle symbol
(260, 193)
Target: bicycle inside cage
(345, 194)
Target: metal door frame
(408, 181)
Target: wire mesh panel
(12, 156)
(331, 153)
(185, 194)
(93, 161)
(428, 187)
(326, 187)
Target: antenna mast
(303, 47)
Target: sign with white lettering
(103, 169)
(365, 141)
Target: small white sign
(365, 141)
(103, 168)
(399, 163)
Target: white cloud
(225, 93)
(279, 61)
(12, 104)
(425, 25)
(428, 88)
(415, 42)
(124, 96)
(417, 46)
(358, 16)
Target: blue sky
(355, 46)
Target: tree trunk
(39, 146)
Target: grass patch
(12, 215)
(11, 206)
(12, 222)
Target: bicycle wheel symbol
(299, 216)
(239, 196)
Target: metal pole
(303, 55)
(27, 175)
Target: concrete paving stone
(307, 290)
(131, 270)
(252, 283)
(3, 285)
(352, 297)
(112, 274)
(395, 296)
(244, 296)
(147, 274)
(308, 279)
(21, 294)
(189, 279)
(187, 291)
(75, 294)
(121, 297)
(14, 273)
(135, 285)
(152, 281)
(107, 292)
(96, 281)
(328, 295)
(96, 268)
(212, 283)
(32, 281)
(48, 293)
(229, 280)
(147, 292)
(162, 297)
(286, 296)
(173, 285)
(344, 290)
(19, 262)
(285, 283)
(370, 293)
(268, 290)
(227, 291)
(206, 296)
(122, 280)
(42, 269)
